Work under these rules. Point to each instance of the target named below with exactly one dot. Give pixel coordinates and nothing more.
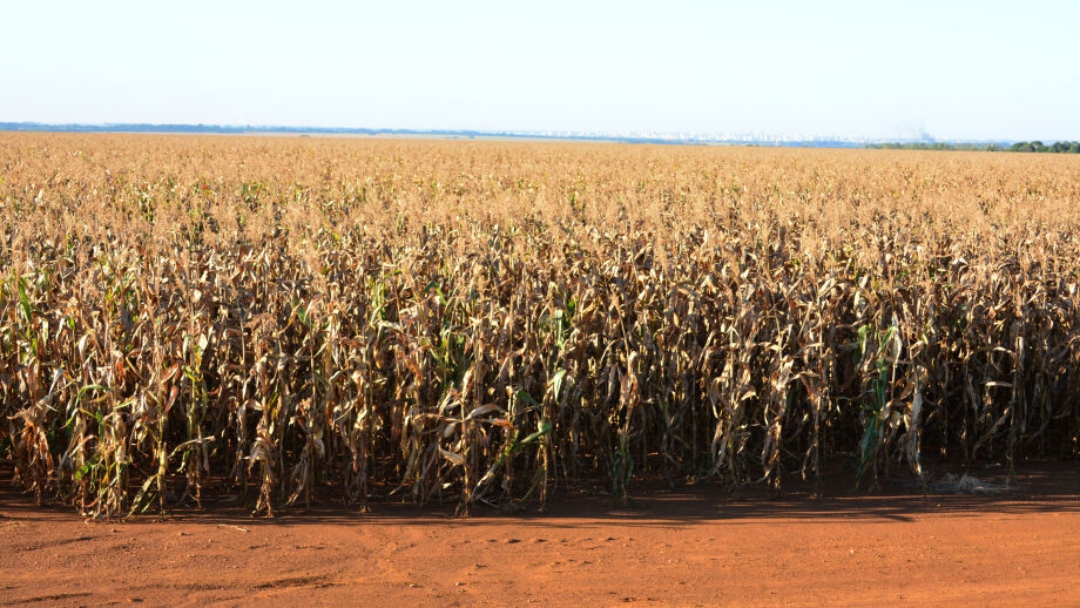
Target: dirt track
(696, 547)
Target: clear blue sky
(976, 70)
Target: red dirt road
(694, 547)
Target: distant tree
(938, 145)
(1058, 147)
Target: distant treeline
(1061, 147)
(938, 145)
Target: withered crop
(489, 321)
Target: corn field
(454, 322)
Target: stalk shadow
(1040, 487)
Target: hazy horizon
(969, 71)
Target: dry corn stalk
(472, 322)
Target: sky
(888, 69)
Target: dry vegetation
(484, 321)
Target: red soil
(697, 546)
